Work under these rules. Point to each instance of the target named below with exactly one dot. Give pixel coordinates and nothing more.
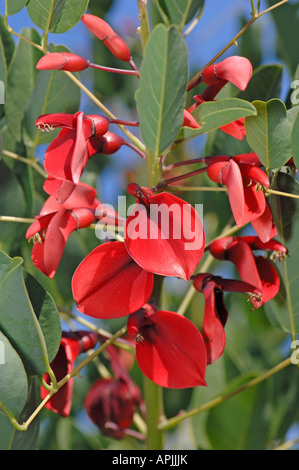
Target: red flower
(170, 350)
(164, 234)
(244, 181)
(215, 313)
(111, 402)
(56, 222)
(67, 155)
(105, 33)
(255, 270)
(72, 344)
(109, 284)
(62, 61)
(236, 70)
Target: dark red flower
(245, 182)
(109, 284)
(255, 270)
(62, 61)
(56, 222)
(170, 350)
(72, 344)
(111, 402)
(164, 234)
(215, 312)
(105, 33)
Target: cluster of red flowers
(117, 278)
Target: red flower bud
(105, 33)
(62, 61)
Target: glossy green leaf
(13, 378)
(241, 422)
(14, 6)
(12, 203)
(264, 84)
(179, 12)
(56, 16)
(269, 133)
(163, 79)
(287, 28)
(10, 438)
(20, 82)
(214, 114)
(283, 310)
(295, 137)
(18, 320)
(53, 92)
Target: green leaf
(264, 84)
(163, 80)
(53, 92)
(10, 438)
(12, 203)
(283, 310)
(269, 133)
(295, 138)
(13, 379)
(179, 12)
(14, 6)
(241, 422)
(20, 82)
(18, 320)
(56, 16)
(287, 30)
(214, 114)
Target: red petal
(62, 61)
(60, 189)
(241, 256)
(232, 178)
(40, 224)
(56, 120)
(212, 328)
(172, 353)
(46, 256)
(109, 284)
(82, 196)
(189, 120)
(167, 238)
(58, 155)
(235, 129)
(235, 69)
(264, 225)
(80, 155)
(269, 277)
(61, 401)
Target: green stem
(234, 41)
(170, 423)
(44, 41)
(33, 163)
(143, 31)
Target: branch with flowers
(148, 296)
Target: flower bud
(62, 61)
(105, 33)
